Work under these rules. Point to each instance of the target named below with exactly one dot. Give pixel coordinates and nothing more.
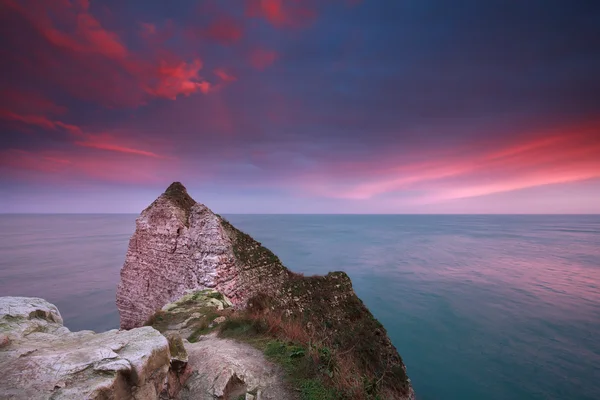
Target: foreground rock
(214, 367)
(181, 246)
(42, 359)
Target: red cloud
(70, 48)
(262, 58)
(224, 76)
(179, 79)
(40, 121)
(292, 13)
(87, 36)
(83, 139)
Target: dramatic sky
(301, 106)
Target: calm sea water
(480, 307)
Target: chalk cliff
(181, 246)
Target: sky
(290, 106)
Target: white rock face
(42, 359)
(169, 255)
(181, 246)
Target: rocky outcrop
(42, 359)
(205, 366)
(181, 246)
(227, 369)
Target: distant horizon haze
(576, 198)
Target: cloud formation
(93, 63)
(333, 106)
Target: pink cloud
(65, 166)
(224, 75)
(31, 161)
(88, 35)
(280, 13)
(40, 121)
(84, 139)
(110, 143)
(179, 79)
(552, 157)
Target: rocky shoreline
(206, 313)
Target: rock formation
(42, 359)
(181, 246)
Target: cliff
(181, 246)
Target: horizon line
(237, 213)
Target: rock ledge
(42, 359)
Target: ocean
(480, 307)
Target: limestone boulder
(42, 359)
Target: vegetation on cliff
(323, 311)
(315, 327)
(320, 363)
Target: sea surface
(479, 307)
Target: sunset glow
(301, 106)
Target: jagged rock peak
(176, 187)
(179, 195)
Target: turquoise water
(480, 307)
